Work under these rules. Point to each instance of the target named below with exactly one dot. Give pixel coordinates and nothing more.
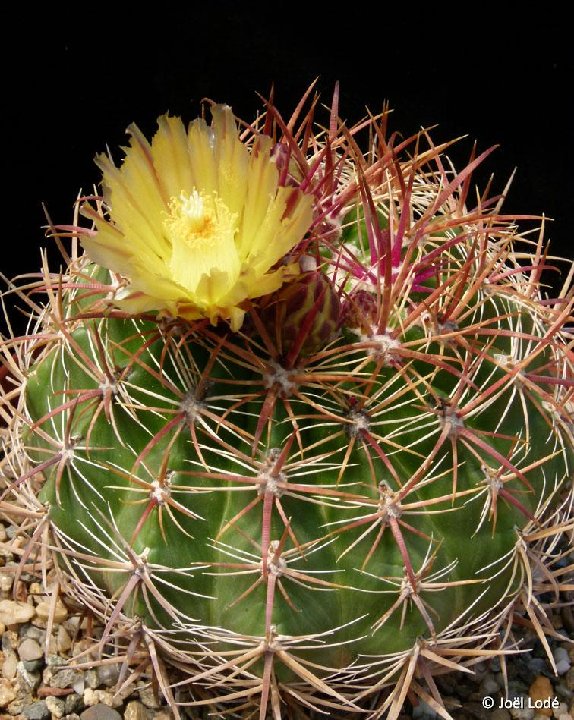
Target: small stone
(135, 711)
(423, 712)
(91, 679)
(522, 712)
(13, 612)
(37, 711)
(562, 709)
(33, 666)
(55, 661)
(562, 660)
(500, 714)
(23, 700)
(64, 678)
(463, 690)
(6, 583)
(30, 650)
(569, 678)
(36, 633)
(63, 639)
(100, 712)
(541, 689)
(9, 640)
(562, 692)
(60, 611)
(10, 664)
(99, 697)
(73, 702)
(81, 645)
(534, 666)
(480, 670)
(7, 694)
(148, 697)
(489, 686)
(108, 675)
(35, 590)
(56, 706)
(3, 535)
(30, 679)
(162, 716)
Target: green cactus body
(351, 433)
(304, 525)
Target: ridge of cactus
(297, 425)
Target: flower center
(201, 230)
(192, 220)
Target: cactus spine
(315, 496)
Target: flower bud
(303, 315)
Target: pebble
(541, 689)
(56, 706)
(149, 698)
(99, 697)
(10, 664)
(13, 612)
(60, 611)
(562, 660)
(9, 640)
(135, 711)
(523, 712)
(100, 712)
(37, 711)
(73, 702)
(36, 633)
(500, 714)
(91, 679)
(23, 700)
(35, 589)
(31, 679)
(7, 694)
(489, 686)
(536, 666)
(3, 535)
(30, 650)
(63, 640)
(6, 583)
(108, 675)
(424, 712)
(63, 678)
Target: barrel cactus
(297, 423)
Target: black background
(74, 80)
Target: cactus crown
(300, 420)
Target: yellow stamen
(201, 231)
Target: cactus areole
(298, 422)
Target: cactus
(298, 423)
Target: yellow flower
(197, 220)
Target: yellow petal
(170, 157)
